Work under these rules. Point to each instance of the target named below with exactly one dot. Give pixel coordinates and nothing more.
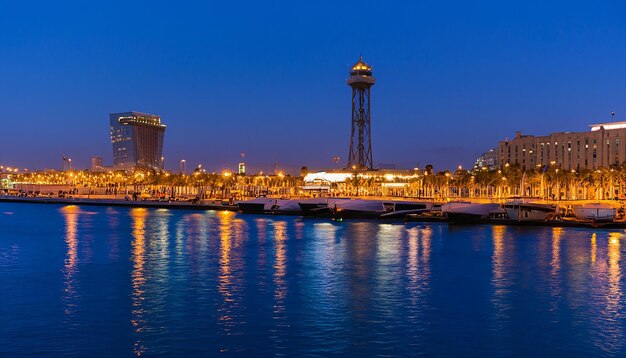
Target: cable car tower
(361, 80)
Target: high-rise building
(360, 80)
(137, 140)
(604, 145)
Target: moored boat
(528, 211)
(470, 212)
(254, 206)
(320, 207)
(269, 206)
(378, 209)
(358, 209)
(455, 205)
(596, 212)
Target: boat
(595, 212)
(519, 210)
(254, 206)
(358, 209)
(378, 209)
(454, 204)
(470, 212)
(269, 206)
(320, 207)
(400, 209)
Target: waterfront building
(241, 170)
(604, 145)
(137, 140)
(360, 80)
(488, 160)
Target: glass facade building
(137, 140)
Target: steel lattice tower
(361, 80)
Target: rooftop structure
(608, 126)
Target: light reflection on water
(70, 214)
(555, 264)
(204, 283)
(500, 276)
(138, 216)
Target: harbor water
(93, 281)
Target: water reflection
(498, 256)
(607, 298)
(261, 229)
(280, 267)
(138, 217)
(279, 334)
(114, 236)
(501, 277)
(157, 265)
(70, 214)
(555, 267)
(594, 248)
(361, 257)
(418, 269)
(225, 278)
(614, 296)
(615, 293)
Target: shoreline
(214, 205)
(218, 206)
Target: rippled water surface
(111, 281)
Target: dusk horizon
(270, 81)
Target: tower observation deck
(360, 80)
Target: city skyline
(269, 81)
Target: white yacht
(319, 206)
(470, 212)
(454, 205)
(269, 206)
(527, 211)
(378, 208)
(595, 212)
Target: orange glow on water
(615, 274)
(280, 267)
(557, 233)
(70, 214)
(594, 248)
(138, 217)
(498, 254)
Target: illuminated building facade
(487, 160)
(137, 140)
(360, 80)
(604, 145)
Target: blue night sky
(268, 77)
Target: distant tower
(361, 80)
